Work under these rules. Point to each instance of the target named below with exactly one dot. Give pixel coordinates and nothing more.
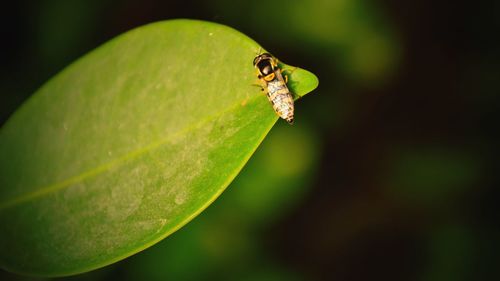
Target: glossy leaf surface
(128, 144)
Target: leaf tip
(303, 82)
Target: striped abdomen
(281, 98)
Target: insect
(271, 77)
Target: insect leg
(289, 70)
(261, 85)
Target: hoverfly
(274, 85)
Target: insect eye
(267, 70)
(266, 56)
(265, 67)
(255, 60)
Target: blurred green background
(389, 171)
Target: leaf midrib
(46, 190)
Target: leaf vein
(114, 163)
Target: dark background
(394, 157)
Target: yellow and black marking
(274, 83)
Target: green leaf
(128, 144)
